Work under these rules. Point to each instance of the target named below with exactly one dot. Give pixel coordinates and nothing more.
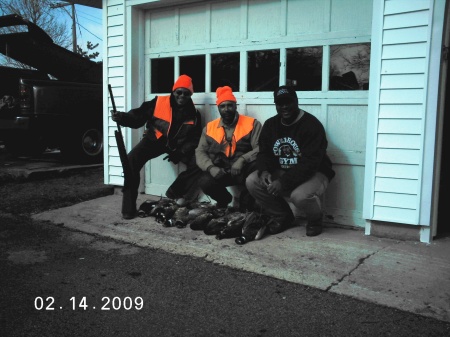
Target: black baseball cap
(284, 92)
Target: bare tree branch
(40, 13)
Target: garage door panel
(163, 29)
(193, 26)
(226, 21)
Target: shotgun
(120, 144)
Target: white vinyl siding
(393, 192)
(114, 73)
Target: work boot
(171, 194)
(314, 215)
(128, 216)
(314, 228)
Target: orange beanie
(184, 81)
(224, 94)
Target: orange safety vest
(162, 117)
(238, 145)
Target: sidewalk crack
(360, 262)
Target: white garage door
(321, 47)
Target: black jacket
(182, 133)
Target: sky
(89, 27)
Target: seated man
(227, 149)
(292, 165)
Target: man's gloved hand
(237, 167)
(117, 116)
(174, 157)
(216, 172)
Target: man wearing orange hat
(173, 127)
(227, 149)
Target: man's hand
(274, 188)
(174, 157)
(116, 116)
(237, 167)
(266, 178)
(216, 172)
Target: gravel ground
(35, 196)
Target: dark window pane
(162, 75)
(194, 66)
(304, 68)
(263, 70)
(225, 71)
(349, 66)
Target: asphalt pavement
(409, 276)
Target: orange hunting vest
(234, 148)
(162, 117)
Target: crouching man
(292, 165)
(227, 149)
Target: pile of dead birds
(243, 225)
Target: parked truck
(57, 104)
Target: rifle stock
(120, 144)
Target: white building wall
(114, 74)
(397, 174)
(385, 183)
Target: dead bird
(166, 213)
(253, 228)
(200, 222)
(161, 205)
(214, 226)
(147, 207)
(180, 215)
(191, 216)
(233, 227)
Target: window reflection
(194, 66)
(263, 70)
(349, 66)
(162, 75)
(304, 68)
(225, 71)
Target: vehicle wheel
(25, 145)
(84, 146)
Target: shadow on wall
(341, 205)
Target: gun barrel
(112, 97)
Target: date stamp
(107, 304)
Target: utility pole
(74, 28)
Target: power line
(92, 16)
(86, 18)
(89, 32)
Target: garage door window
(194, 66)
(263, 70)
(349, 66)
(304, 68)
(162, 74)
(348, 69)
(225, 71)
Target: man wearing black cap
(292, 165)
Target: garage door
(321, 47)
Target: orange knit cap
(224, 94)
(184, 81)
